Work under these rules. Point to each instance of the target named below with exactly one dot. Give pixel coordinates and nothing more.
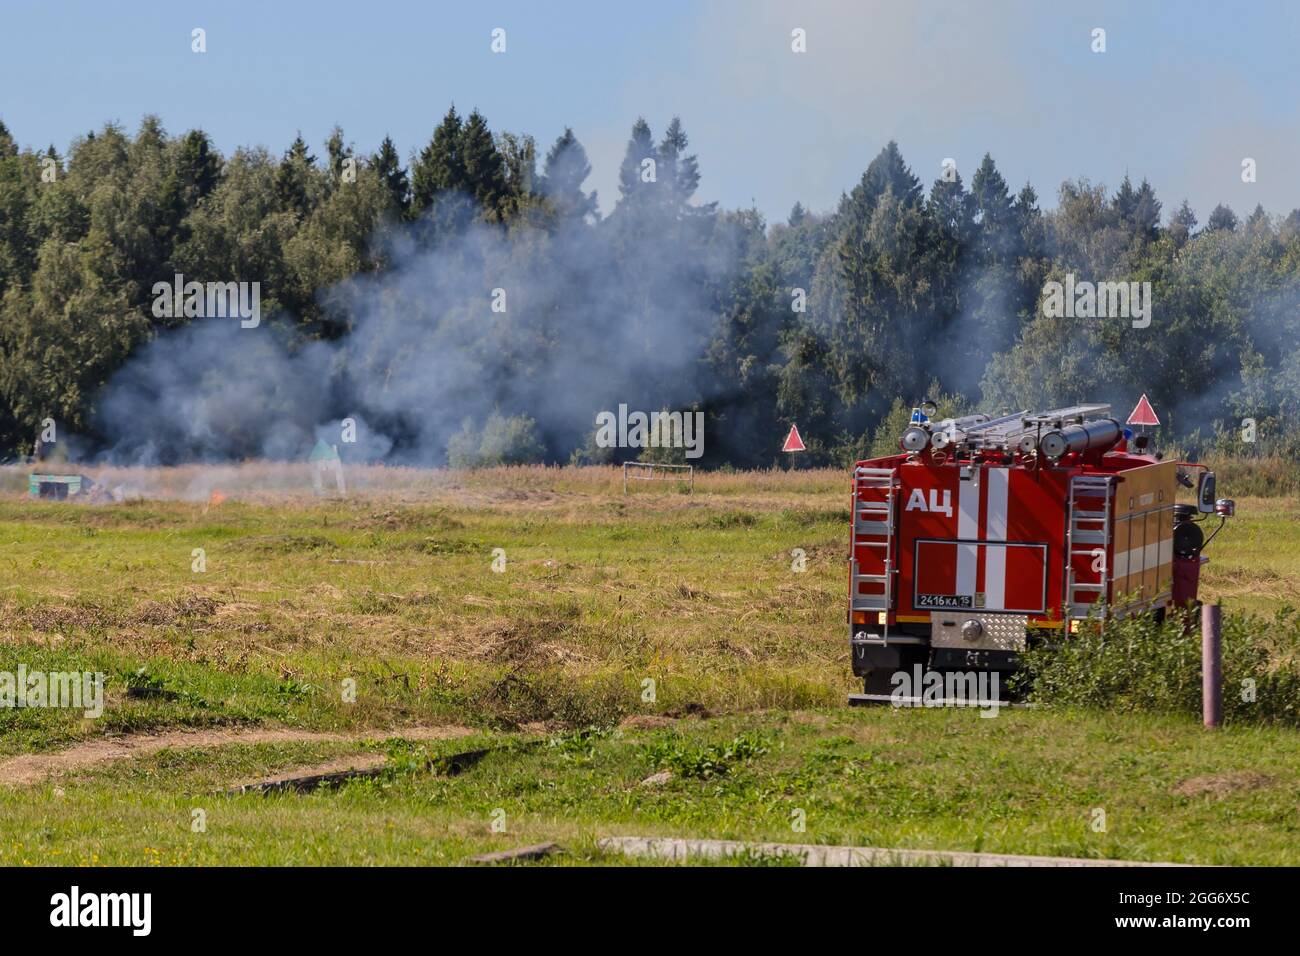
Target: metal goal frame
(648, 469)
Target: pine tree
(292, 179)
(994, 209)
(680, 174)
(640, 148)
(991, 195)
(953, 210)
(8, 147)
(440, 166)
(565, 170)
(887, 172)
(198, 167)
(388, 166)
(1146, 212)
(1027, 214)
(152, 138)
(1032, 263)
(1221, 217)
(1124, 205)
(873, 279)
(337, 151)
(485, 174)
(1183, 224)
(985, 303)
(17, 243)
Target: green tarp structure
(323, 452)
(57, 486)
(325, 459)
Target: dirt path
(28, 769)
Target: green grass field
(673, 624)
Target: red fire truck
(988, 532)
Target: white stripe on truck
(968, 523)
(995, 559)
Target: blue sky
(1184, 92)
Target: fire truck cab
(986, 531)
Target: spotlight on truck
(914, 439)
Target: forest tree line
(838, 321)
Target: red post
(1211, 666)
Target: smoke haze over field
(585, 318)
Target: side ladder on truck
(875, 495)
(1087, 544)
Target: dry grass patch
(535, 642)
(1221, 785)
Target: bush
(504, 440)
(666, 440)
(1140, 664)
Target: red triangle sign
(792, 441)
(1143, 413)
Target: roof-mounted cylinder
(1098, 436)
